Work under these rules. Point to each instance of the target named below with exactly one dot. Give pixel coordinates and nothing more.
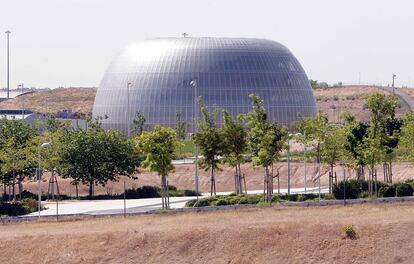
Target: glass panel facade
(227, 70)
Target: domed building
(163, 77)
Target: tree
(96, 156)
(235, 144)
(316, 130)
(17, 152)
(182, 126)
(138, 123)
(265, 142)
(406, 144)
(210, 140)
(382, 108)
(159, 146)
(332, 149)
(52, 156)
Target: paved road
(403, 96)
(99, 207)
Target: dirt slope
(80, 100)
(264, 235)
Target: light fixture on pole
(194, 84)
(8, 63)
(21, 86)
(39, 174)
(127, 114)
(393, 88)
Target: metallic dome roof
(227, 70)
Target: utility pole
(8, 63)
(194, 84)
(393, 88)
(127, 113)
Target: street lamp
(288, 159)
(194, 84)
(39, 174)
(393, 89)
(21, 86)
(127, 114)
(8, 63)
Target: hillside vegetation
(331, 101)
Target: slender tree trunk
(390, 174)
(240, 178)
(168, 192)
(14, 186)
(90, 189)
(20, 185)
(162, 192)
(77, 191)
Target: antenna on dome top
(184, 34)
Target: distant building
(20, 114)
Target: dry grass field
(384, 234)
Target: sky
(63, 43)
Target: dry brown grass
(79, 100)
(263, 235)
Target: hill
(331, 101)
(79, 100)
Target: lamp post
(127, 114)
(393, 88)
(288, 161)
(39, 174)
(21, 86)
(8, 63)
(194, 84)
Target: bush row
(133, 193)
(234, 199)
(25, 206)
(359, 189)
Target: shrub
(387, 191)
(404, 189)
(202, 202)
(353, 188)
(190, 203)
(328, 196)
(349, 231)
(222, 202)
(191, 193)
(364, 195)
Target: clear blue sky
(71, 42)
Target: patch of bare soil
(262, 235)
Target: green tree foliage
(158, 146)
(210, 140)
(96, 156)
(182, 126)
(406, 144)
(265, 141)
(17, 152)
(138, 123)
(235, 143)
(374, 149)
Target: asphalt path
(106, 207)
